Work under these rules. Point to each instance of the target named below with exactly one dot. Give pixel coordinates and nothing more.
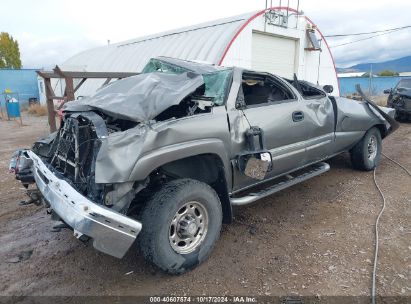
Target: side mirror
(328, 88)
(255, 165)
(387, 91)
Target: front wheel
(181, 224)
(366, 154)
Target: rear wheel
(366, 154)
(181, 223)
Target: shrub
(37, 110)
(388, 73)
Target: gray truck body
(297, 131)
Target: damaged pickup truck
(159, 159)
(399, 98)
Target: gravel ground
(316, 238)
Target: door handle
(298, 116)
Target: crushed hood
(140, 98)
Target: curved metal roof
(208, 42)
(204, 42)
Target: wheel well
(206, 168)
(382, 128)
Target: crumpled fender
(156, 158)
(392, 123)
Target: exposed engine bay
(72, 151)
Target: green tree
(387, 73)
(9, 52)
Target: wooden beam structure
(70, 90)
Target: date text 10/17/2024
(203, 299)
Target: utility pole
(370, 84)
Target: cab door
(274, 107)
(320, 127)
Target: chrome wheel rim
(188, 227)
(372, 147)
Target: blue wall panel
(378, 84)
(23, 82)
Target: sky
(51, 31)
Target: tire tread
(166, 194)
(358, 151)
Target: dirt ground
(316, 238)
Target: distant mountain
(398, 65)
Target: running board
(291, 180)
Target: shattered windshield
(155, 65)
(216, 83)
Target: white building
(277, 40)
(351, 74)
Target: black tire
(157, 217)
(361, 156)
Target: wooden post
(69, 89)
(50, 105)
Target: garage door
(273, 54)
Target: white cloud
(351, 16)
(46, 52)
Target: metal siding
(178, 44)
(204, 42)
(195, 50)
(24, 82)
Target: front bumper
(112, 232)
